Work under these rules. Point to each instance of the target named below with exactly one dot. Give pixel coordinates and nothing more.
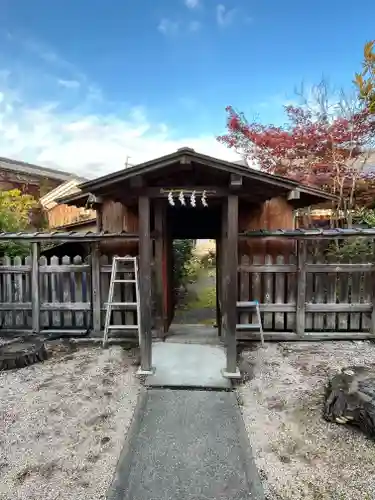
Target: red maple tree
(313, 148)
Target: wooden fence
(297, 295)
(307, 294)
(67, 297)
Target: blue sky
(84, 84)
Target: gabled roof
(48, 201)
(21, 167)
(158, 163)
(281, 183)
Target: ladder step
(124, 281)
(123, 327)
(249, 304)
(130, 305)
(248, 327)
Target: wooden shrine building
(190, 195)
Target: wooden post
(145, 256)
(35, 288)
(96, 299)
(231, 285)
(301, 287)
(159, 209)
(223, 274)
(373, 292)
(218, 285)
(99, 218)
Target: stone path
(187, 445)
(189, 366)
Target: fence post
(35, 289)
(95, 288)
(301, 287)
(373, 291)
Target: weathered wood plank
(96, 291)
(301, 287)
(280, 295)
(268, 293)
(145, 258)
(231, 281)
(308, 336)
(35, 291)
(55, 286)
(291, 297)
(261, 268)
(244, 289)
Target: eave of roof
(170, 159)
(25, 168)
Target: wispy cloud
(69, 84)
(224, 16)
(81, 139)
(168, 27)
(192, 4)
(194, 26)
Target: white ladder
(241, 327)
(133, 269)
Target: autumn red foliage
(329, 153)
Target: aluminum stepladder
(248, 306)
(131, 267)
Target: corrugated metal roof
(309, 233)
(22, 167)
(67, 236)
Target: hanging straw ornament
(204, 199)
(170, 199)
(193, 202)
(181, 198)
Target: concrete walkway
(186, 445)
(188, 365)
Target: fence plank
(301, 288)
(67, 316)
(18, 288)
(244, 284)
(78, 277)
(256, 286)
(291, 296)
(342, 318)
(268, 293)
(280, 295)
(27, 294)
(319, 297)
(55, 286)
(8, 289)
(35, 289)
(355, 297)
(44, 295)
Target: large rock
(350, 398)
(21, 352)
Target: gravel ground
(63, 423)
(299, 455)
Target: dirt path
(199, 304)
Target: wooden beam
(231, 284)
(99, 218)
(35, 288)
(145, 258)
(223, 272)
(96, 300)
(308, 337)
(136, 182)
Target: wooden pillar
(231, 285)
(223, 274)
(99, 218)
(159, 210)
(35, 288)
(145, 257)
(96, 299)
(301, 287)
(218, 285)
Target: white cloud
(192, 4)
(69, 84)
(224, 16)
(85, 142)
(168, 27)
(194, 26)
